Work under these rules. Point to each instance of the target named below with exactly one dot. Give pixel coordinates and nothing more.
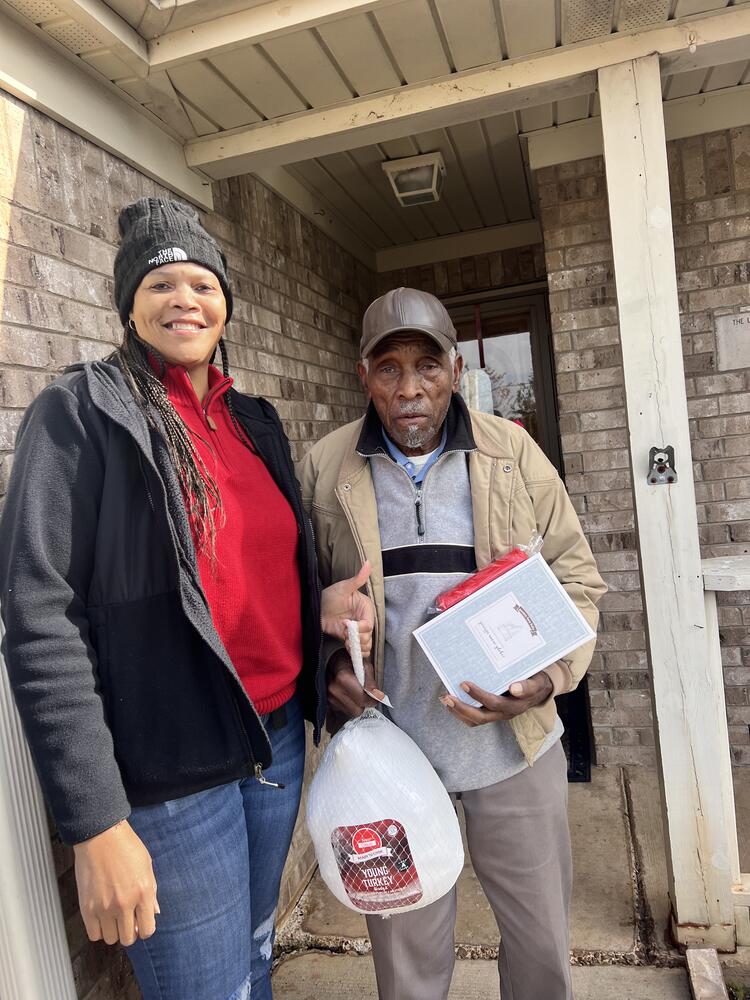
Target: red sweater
(253, 586)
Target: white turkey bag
(385, 831)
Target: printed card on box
(505, 632)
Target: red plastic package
(486, 575)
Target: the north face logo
(168, 256)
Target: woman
(162, 616)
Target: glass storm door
(509, 338)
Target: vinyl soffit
(37, 11)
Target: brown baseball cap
(405, 309)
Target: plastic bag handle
(355, 651)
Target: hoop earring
(131, 327)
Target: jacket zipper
(418, 511)
(264, 781)
(319, 674)
(418, 496)
(295, 502)
(219, 389)
(145, 481)
(419, 501)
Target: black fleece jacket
(125, 691)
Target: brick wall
(500, 269)
(298, 301)
(710, 184)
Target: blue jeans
(218, 857)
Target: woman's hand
(116, 886)
(342, 602)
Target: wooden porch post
(688, 697)
(34, 961)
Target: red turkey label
(376, 865)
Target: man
(428, 491)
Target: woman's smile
(184, 326)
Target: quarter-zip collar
(457, 428)
(179, 388)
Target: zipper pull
(263, 781)
(209, 420)
(418, 509)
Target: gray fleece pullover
(427, 539)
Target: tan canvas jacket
(515, 491)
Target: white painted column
(688, 696)
(34, 960)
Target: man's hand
(521, 696)
(342, 602)
(116, 886)
(346, 696)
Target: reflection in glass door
(508, 363)
(509, 338)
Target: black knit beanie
(155, 232)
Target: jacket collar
(459, 436)
(111, 394)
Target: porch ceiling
(486, 182)
(214, 65)
(209, 69)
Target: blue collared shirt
(405, 462)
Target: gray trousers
(519, 843)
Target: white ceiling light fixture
(416, 180)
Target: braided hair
(199, 489)
(240, 430)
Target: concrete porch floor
(619, 914)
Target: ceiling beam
(515, 234)
(249, 27)
(115, 32)
(367, 121)
(565, 143)
(686, 116)
(508, 86)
